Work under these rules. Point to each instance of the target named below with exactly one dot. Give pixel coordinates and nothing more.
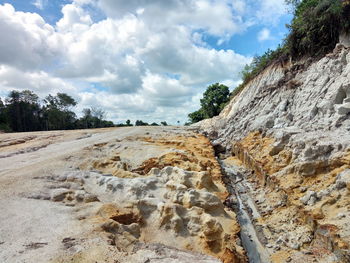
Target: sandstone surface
(138, 194)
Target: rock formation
(274, 185)
(287, 135)
(117, 195)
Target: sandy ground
(42, 221)
(26, 222)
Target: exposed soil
(143, 194)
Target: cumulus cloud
(29, 43)
(40, 82)
(40, 4)
(216, 17)
(271, 10)
(264, 35)
(74, 19)
(239, 6)
(141, 60)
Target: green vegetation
(23, 111)
(258, 64)
(316, 27)
(314, 31)
(141, 123)
(93, 118)
(214, 100)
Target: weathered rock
(344, 109)
(309, 198)
(59, 194)
(88, 198)
(343, 179)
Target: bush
(196, 116)
(314, 31)
(258, 64)
(316, 26)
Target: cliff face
(288, 133)
(305, 98)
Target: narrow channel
(239, 191)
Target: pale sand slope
(92, 196)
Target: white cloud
(29, 42)
(270, 11)
(144, 60)
(40, 82)
(74, 19)
(215, 17)
(264, 35)
(40, 4)
(239, 6)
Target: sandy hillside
(143, 194)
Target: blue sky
(136, 59)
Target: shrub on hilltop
(313, 32)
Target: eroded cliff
(287, 135)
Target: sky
(136, 59)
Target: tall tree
(3, 117)
(214, 100)
(58, 111)
(87, 118)
(98, 115)
(24, 111)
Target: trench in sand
(246, 212)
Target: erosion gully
(241, 201)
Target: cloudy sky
(136, 59)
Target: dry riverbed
(139, 194)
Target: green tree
(214, 100)
(23, 111)
(293, 3)
(86, 120)
(128, 123)
(2, 112)
(58, 113)
(65, 102)
(196, 116)
(141, 123)
(94, 118)
(4, 126)
(164, 123)
(98, 116)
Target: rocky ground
(278, 190)
(284, 144)
(138, 194)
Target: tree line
(24, 111)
